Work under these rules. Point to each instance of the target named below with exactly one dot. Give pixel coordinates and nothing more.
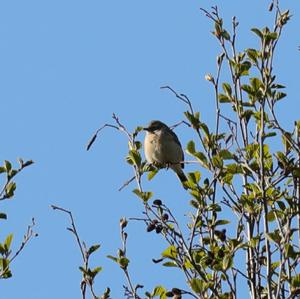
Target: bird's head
(155, 125)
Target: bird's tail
(182, 177)
(178, 170)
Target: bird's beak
(146, 129)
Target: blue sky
(65, 67)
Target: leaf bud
(123, 223)
(210, 78)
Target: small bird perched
(163, 147)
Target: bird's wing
(175, 138)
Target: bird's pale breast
(160, 147)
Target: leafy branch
(7, 192)
(88, 274)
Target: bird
(162, 147)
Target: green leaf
(190, 148)
(123, 262)
(234, 168)
(282, 159)
(235, 244)
(244, 68)
(194, 176)
(277, 86)
(270, 36)
(296, 281)
(138, 145)
(271, 134)
(93, 248)
(4, 265)
(256, 84)
(224, 98)
(271, 216)
(226, 154)
(254, 241)
(286, 140)
(96, 270)
(197, 115)
(145, 196)
(247, 88)
(248, 104)
(193, 119)
(194, 203)
(138, 129)
(3, 216)
(266, 151)
(113, 258)
(170, 264)
(253, 54)
(217, 161)
(290, 251)
(218, 28)
(274, 237)
(196, 285)
(83, 270)
(152, 174)
(159, 291)
(214, 207)
(7, 166)
(251, 149)
(227, 178)
(7, 242)
(205, 129)
(134, 158)
(170, 252)
(247, 114)
(296, 172)
(279, 96)
(202, 158)
(227, 262)
(257, 32)
(12, 173)
(227, 89)
(106, 294)
(225, 35)
(27, 163)
(281, 205)
(188, 264)
(10, 189)
(222, 222)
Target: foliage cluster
(249, 164)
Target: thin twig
(73, 229)
(126, 183)
(181, 97)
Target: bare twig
(181, 97)
(73, 229)
(118, 127)
(93, 138)
(126, 183)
